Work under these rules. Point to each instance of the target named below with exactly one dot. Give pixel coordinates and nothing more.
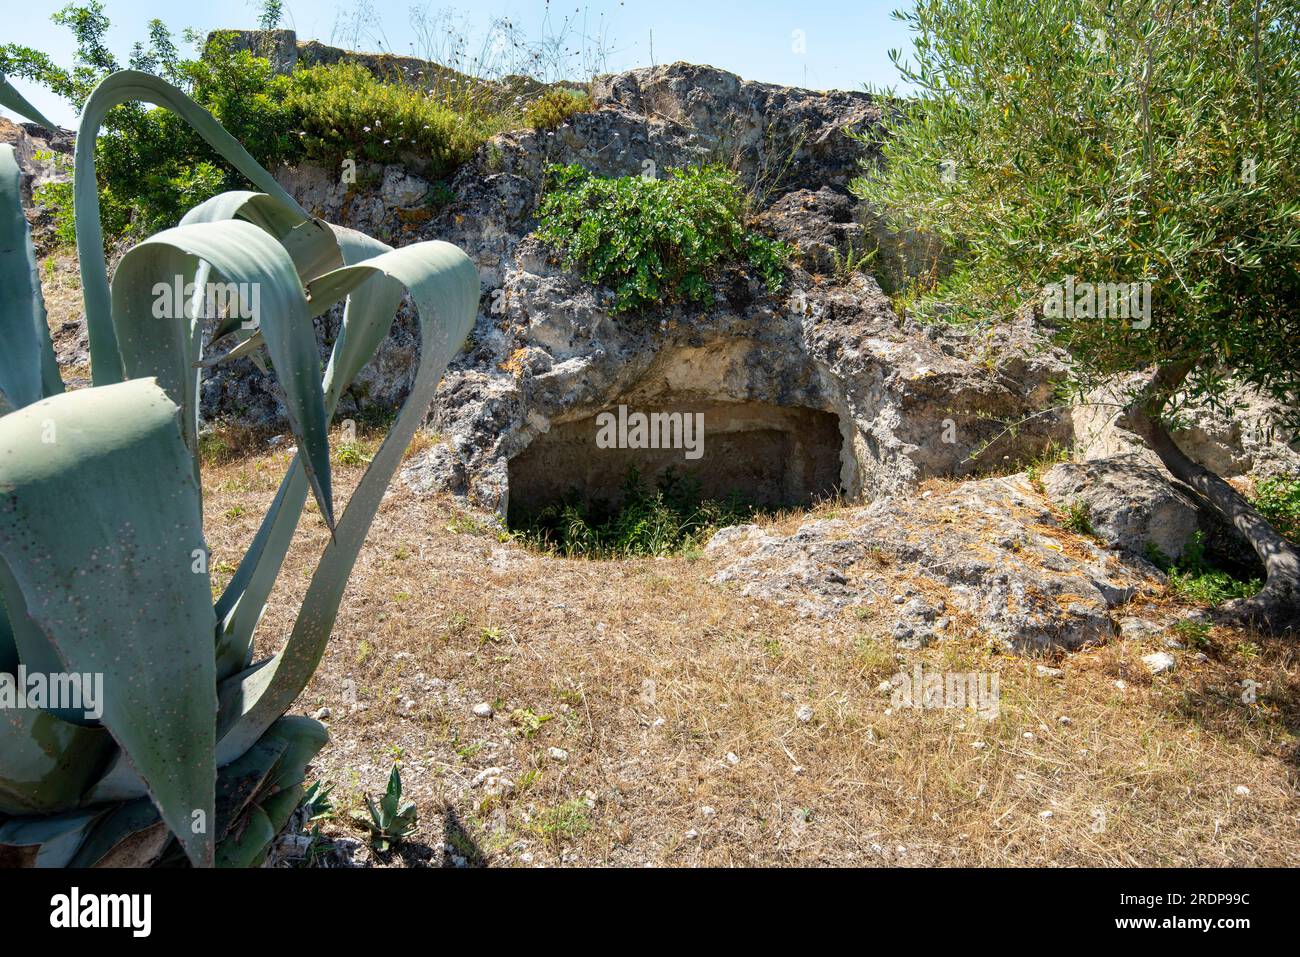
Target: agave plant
(103, 565)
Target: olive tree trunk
(1276, 607)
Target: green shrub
(1078, 519)
(554, 107)
(57, 198)
(670, 519)
(151, 167)
(1278, 500)
(341, 110)
(654, 240)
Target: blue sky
(845, 41)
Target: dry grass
(673, 695)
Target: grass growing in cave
(670, 518)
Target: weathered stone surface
(546, 351)
(989, 551)
(1129, 504)
(1246, 436)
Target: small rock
(1121, 684)
(1044, 814)
(1045, 672)
(1158, 662)
(732, 758)
(691, 835)
(804, 714)
(707, 811)
(484, 775)
(321, 714)
(558, 754)
(1241, 790)
(483, 710)
(1063, 719)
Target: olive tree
(1130, 169)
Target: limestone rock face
(820, 386)
(986, 555)
(547, 354)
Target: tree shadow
(459, 849)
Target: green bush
(669, 519)
(1278, 500)
(654, 240)
(341, 110)
(151, 167)
(554, 107)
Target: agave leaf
(283, 790)
(119, 465)
(259, 792)
(122, 87)
(248, 847)
(34, 650)
(48, 763)
(242, 254)
(11, 99)
(444, 284)
(130, 835)
(239, 782)
(366, 319)
(250, 342)
(28, 370)
(309, 242)
(49, 841)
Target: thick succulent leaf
(240, 781)
(444, 285)
(242, 254)
(129, 835)
(122, 87)
(34, 650)
(47, 764)
(247, 846)
(249, 343)
(267, 779)
(310, 243)
(28, 370)
(367, 317)
(11, 99)
(50, 841)
(100, 528)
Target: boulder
(1130, 504)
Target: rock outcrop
(548, 354)
(987, 555)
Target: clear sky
(825, 44)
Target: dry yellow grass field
(675, 702)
